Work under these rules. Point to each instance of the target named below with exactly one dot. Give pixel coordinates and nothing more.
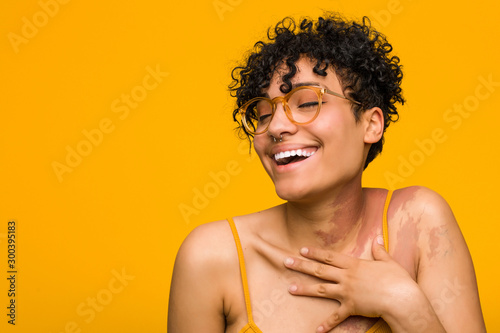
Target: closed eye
(264, 117)
(309, 105)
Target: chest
(274, 309)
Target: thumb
(378, 249)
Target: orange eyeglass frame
(284, 100)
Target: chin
(293, 192)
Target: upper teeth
(288, 153)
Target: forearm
(412, 313)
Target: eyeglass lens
(302, 104)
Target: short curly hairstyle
(358, 54)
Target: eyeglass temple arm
(341, 96)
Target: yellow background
(118, 210)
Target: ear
(374, 124)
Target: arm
(196, 295)
(445, 271)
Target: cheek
(343, 138)
(259, 145)
(336, 129)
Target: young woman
(315, 100)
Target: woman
(316, 101)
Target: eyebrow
(301, 84)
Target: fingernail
(304, 251)
(292, 288)
(320, 329)
(288, 261)
(380, 240)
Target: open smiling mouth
(293, 156)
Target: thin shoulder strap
(384, 222)
(243, 270)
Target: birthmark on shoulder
(439, 244)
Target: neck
(333, 223)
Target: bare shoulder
(208, 246)
(422, 229)
(437, 236)
(205, 264)
(205, 267)
(424, 204)
(209, 253)
(212, 245)
(443, 267)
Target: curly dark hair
(357, 53)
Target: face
(335, 141)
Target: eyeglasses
(301, 106)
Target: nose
(280, 124)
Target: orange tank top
(379, 327)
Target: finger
(327, 256)
(378, 249)
(313, 268)
(335, 319)
(323, 290)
